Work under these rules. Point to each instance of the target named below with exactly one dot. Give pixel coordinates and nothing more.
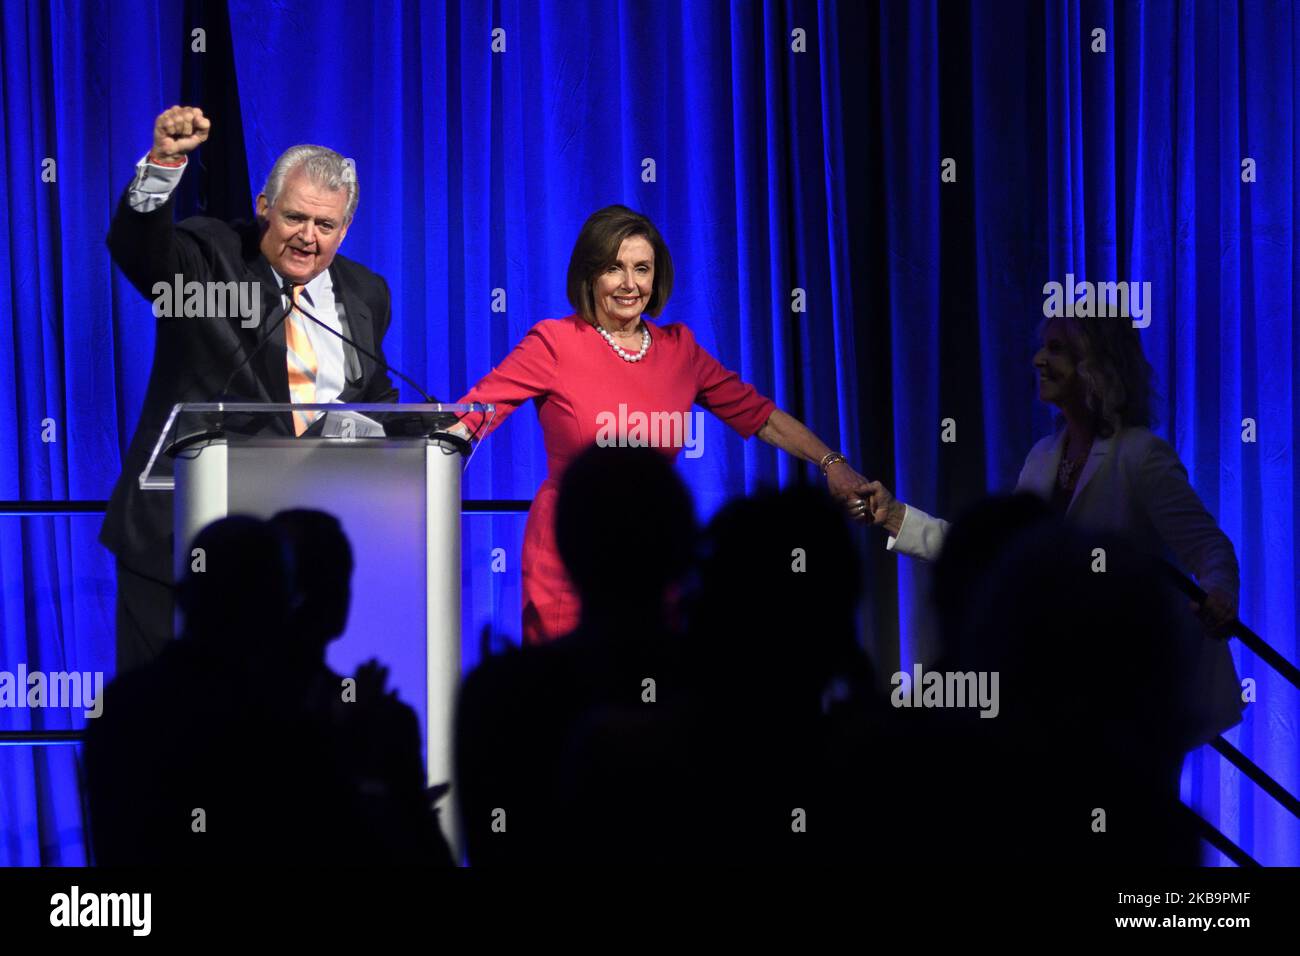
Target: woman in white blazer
(1104, 470)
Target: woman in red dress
(607, 373)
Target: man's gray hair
(324, 167)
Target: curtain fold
(1125, 164)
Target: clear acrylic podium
(391, 475)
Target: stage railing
(1253, 772)
(1270, 656)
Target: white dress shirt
(318, 299)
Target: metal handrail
(1257, 645)
(1256, 774)
(1213, 836)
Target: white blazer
(1132, 484)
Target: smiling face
(304, 228)
(1057, 365)
(622, 291)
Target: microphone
(409, 424)
(249, 356)
(406, 423)
(288, 291)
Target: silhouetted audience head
(1096, 694)
(1087, 711)
(1086, 636)
(1070, 642)
(779, 585)
(323, 579)
(232, 721)
(237, 587)
(625, 528)
(973, 545)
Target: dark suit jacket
(193, 357)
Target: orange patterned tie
(303, 364)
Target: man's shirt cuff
(153, 184)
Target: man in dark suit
(285, 261)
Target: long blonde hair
(1116, 376)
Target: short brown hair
(597, 249)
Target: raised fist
(177, 131)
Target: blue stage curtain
(478, 168)
(79, 87)
(774, 171)
(1123, 164)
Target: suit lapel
(1041, 476)
(358, 325)
(1100, 449)
(271, 362)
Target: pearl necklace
(627, 356)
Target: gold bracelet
(831, 459)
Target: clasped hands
(872, 500)
(865, 500)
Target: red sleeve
(527, 372)
(721, 391)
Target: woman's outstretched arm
(791, 435)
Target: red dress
(578, 383)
